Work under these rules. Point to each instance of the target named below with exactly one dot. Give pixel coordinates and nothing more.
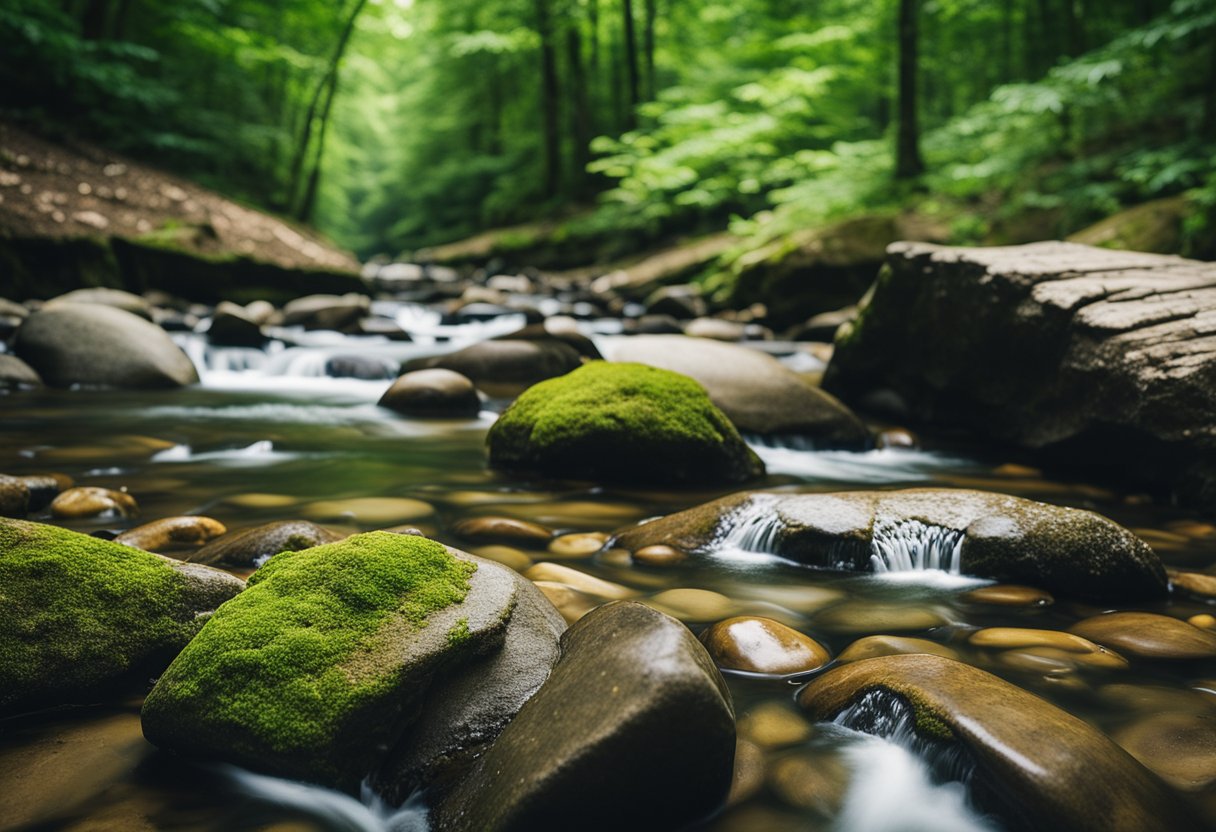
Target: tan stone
(89, 501)
(575, 579)
(762, 645)
(1009, 595)
(1148, 636)
(172, 533)
(872, 647)
(694, 604)
(577, 545)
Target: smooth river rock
(504, 369)
(250, 546)
(317, 669)
(756, 392)
(1147, 635)
(621, 423)
(90, 501)
(14, 497)
(1066, 551)
(15, 374)
(1107, 357)
(633, 730)
(101, 346)
(1035, 764)
(82, 616)
(433, 394)
(172, 533)
(761, 645)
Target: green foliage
(291, 657)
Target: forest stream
(269, 435)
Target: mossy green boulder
(79, 616)
(622, 422)
(318, 667)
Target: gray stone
(1106, 357)
(504, 368)
(15, 374)
(102, 346)
(754, 390)
(247, 547)
(231, 326)
(633, 730)
(14, 497)
(1067, 551)
(435, 393)
(336, 312)
(107, 297)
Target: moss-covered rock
(317, 668)
(1067, 551)
(622, 422)
(80, 616)
(1036, 765)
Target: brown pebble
(577, 545)
(774, 725)
(94, 502)
(1009, 595)
(872, 647)
(1148, 636)
(502, 530)
(571, 603)
(748, 776)
(762, 645)
(1179, 747)
(810, 783)
(172, 533)
(1194, 583)
(659, 555)
(575, 579)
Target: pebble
(659, 555)
(1203, 621)
(802, 599)
(1154, 699)
(502, 530)
(1148, 636)
(1011, 637)
(774, 725)
(762, 645)
(172, 533)
(571, 603)
(694, 604)
(1009, 595)
(812, 783)
(577, 545)
(1194, 583)
(90, 501)
(870, 617)
(370, 510)
(44, 488)
(260, 500)
(506, 555)
(873, 646)
(1179, 747)
(14, 497)
(575, 579)
(748, 777)
(896, 438)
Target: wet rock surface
(248, 547)
(1038, 764)
(761, 645)
(1064, 550)
(1148, 636)
(101, 346)
(504, 368)
(1113, 353)
(658, 706)
(435, 393)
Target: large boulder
(633, 730)
(621, 422)
(1067, 551)
(80, 617)
(257, 544)
(1106, 357)
(102, 296)
(1036, 765)
(504, 368)
(758, 393)
(318, 668)
(101, 346)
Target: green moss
(77, 612)
(621, 421)
(459, 634)
(310, 641)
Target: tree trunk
(297, 159)
(648, 48)
(309, 201)
(631, 65)
(93, 21)
(580, 109)
(908, 161)
(549, 99)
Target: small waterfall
(751, 529)
(901, 781)
(912, 546)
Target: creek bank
(1112, 364)
(1066, 551)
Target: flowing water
(269, 436)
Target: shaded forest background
(396, 124)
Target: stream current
(268, 435)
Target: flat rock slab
(1108, 355)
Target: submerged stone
(1147, 635)
(249, 547)
(81, 616)
(1035, 764)
(1066, 551)
(622, 422)
(634, 729)
(316, 669)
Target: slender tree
(550, 94)
(648, 47)
(908, 161)
(631, 64)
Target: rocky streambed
(728, 604)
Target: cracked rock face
(1109, 356)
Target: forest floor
(50, 189)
